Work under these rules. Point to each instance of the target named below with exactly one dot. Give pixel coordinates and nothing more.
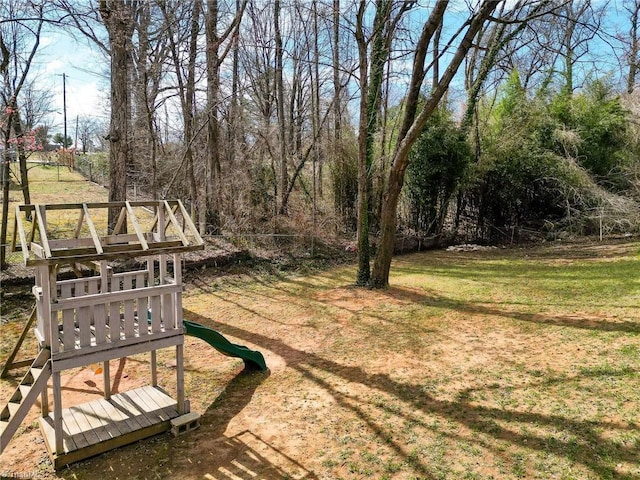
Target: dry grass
(508, 364)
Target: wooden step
(24, 390)
(34, 381)
(13, 408)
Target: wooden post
(154, 368)
(177, 277)
(180, 377)
(57, 411)
(106, 377)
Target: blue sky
(88, 83)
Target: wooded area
(494, 122)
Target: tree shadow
(580, 441)
(441, 301)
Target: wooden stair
(32, 384)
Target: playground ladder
(33, 383)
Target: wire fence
(96, 171)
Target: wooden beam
(136, 226)
(174, 221)
(121, 219)
(92, 228)
(76, 234)
(42, 226)
(23, 237)
(187, 218)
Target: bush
(438, 162)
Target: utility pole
(64, 109)
(75, 144)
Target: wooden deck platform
(101, 425)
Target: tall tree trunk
(118, 18)
(22, 156)
(634, 47)
(371, 92)
(6, 183)
(413, 123)
(213, 128)
(364, 255)
(284, 176)
(316, 107)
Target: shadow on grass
(580, 442)
(441, 301)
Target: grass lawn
(516, 363)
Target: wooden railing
(84, 318)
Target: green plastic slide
(251, 358)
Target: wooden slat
(176, 225)
(89, 300)
(127, 282)
(68, 329)
(92, 229)
(23, 237)
(129, 319)
(143, 323)
(156, 318)
(115, 326)
(129, 402)
(41, 216)
(156, 402)
(73, 429)
(46, 425)
(109, 351)
(76, 234)
(65, 289)
(99, 322)
(116, 417)
(110, 253)
(150, 410)
(168, 311)
(136, 227)
(84, 326)
(121, 219)
(192, 227)
(100, 415)
(87, 421)
(177, 275)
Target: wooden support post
(177, 277)
(154, 368)
(50, 296)
(180, 377)
(106, 377)
(44, 398)
(57, 412)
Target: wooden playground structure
(100, 315)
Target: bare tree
(215, 58)
(119, 20)
(279, 84)
(371, 71)
(632, 42)
(19, 42)
(414, 118)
